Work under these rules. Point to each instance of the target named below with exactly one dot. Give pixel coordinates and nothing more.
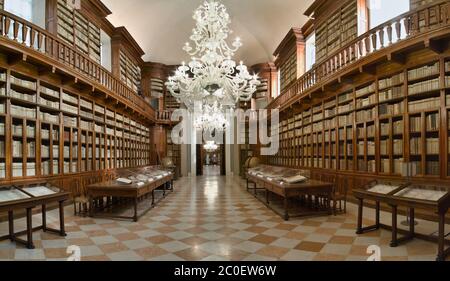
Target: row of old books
(415, 124)
(23, 83)
(390, 94)
(70, 167)
(17, 130)
(48, 103)
(415, 146)
(432, 122)
(433, 168)
(423, 87)
(49, 92)
(397, 147)
(2, 149)
(17, 169)
(70, 121)
(432, 145)
(45, 134)
(45, 151)
(22, 96)
(369, 166)
(424, 71)
(346, 119)
(47, 165)
(21, 111)
(425, 104)
(366, 115)
(366, 90)
(48, 117)
(370, 148)
(391, 81)
(391, 109)
(362, 102)
(73, 137)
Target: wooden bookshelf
(49, 130)
(373, 126)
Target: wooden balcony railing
(396, 30)
(163, 116)
(33, 37)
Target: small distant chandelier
(210, 146)
(212, 76)
(211, 118)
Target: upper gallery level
(342, 36)
(75, 40)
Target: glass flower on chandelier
(211, 118)
(212, 76)
(210, 146)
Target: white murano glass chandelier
(211, 118)
(212, 77)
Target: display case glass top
(421, 194)
(11, 194)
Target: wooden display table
(270, 180)
(144, 182)
(434, 199)
(28, 197)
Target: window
(105, 52)
(31, 10)
(310, 51)
(381, 11)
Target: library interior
(285, 130)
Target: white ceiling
(161, 27)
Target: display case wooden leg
(360, 215)
(11, 225)
(377, 214)
(44, 218)
(30, 244)
(153, 197)
(441, 238)
(286, 207)
(394, 242)
(91, 207)
(62, 228)
(412, 224)
(135, 216)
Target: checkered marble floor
(213, 219)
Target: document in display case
(427, 197)
(10, 194)
(28, 197)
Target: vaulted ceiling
(161, 27)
